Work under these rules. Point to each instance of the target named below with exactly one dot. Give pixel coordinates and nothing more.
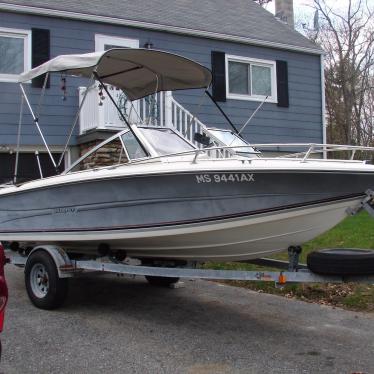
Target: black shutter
(40, 53)
(282, 84)
(219, 76)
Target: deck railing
(99, 112)
(161, 109)
(188, 125)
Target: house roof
(242, 21)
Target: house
(252, 55)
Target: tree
(348, 40)
(262, 2)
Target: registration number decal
(225, 178)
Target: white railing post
(100, 111)
(89, 115)
(168, 109)
(161, 109)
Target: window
(15, 53)
(105, 42)
(250, 79)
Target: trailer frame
(294, 273)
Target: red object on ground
(3, 287)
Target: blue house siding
(301, 122)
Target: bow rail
(301, 156)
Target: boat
(162, 197)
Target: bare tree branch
(348, 39)
(262, 2)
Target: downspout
(323, 96)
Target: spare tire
(342, 261)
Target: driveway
(117, 325)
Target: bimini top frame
(138, 72)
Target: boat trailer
(38, 284)
(289, 272)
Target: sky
(304, 11)
(304, 6)
(296, 3)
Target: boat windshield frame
(252, 154)
(152, 152)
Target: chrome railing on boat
(314, 148)
(299, 156)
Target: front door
(108, 114)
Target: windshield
(133, 147)
(165, 141)
(230, 139)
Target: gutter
(153, 26)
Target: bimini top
(138, 72)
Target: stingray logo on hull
(225, 178)
(65, 210)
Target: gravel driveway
(117, 325)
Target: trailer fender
(59, 256)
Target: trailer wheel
(341, 262)
(161, 281)
(45, 288)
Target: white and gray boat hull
(184, 215)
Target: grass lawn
(353, 232)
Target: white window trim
(255, 61)
(101, 40)
(18, 33)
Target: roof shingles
(236, 18)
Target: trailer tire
(342, 261)
(161, 281)
(45, 288)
